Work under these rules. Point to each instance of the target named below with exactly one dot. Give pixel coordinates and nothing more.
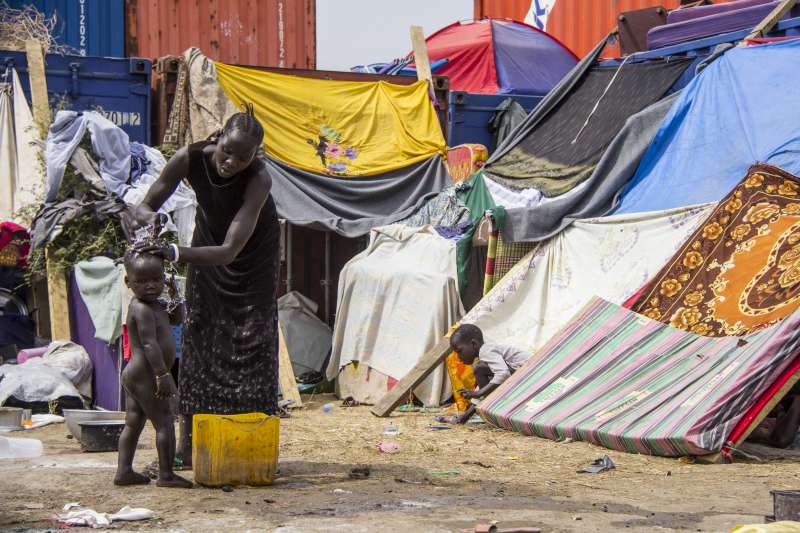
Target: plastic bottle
(327, 408)
(12, 448)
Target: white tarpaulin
(610, 257)
(21, 171)
(396, 300)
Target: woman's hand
(165, 251)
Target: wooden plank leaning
(421, 370)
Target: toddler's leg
(134, 423)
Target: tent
(581, 144)
(415, 276)
(617, 379)
(737, 112)
(493, 56)
(609, 257)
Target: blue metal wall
(91, 27)
(119, 88)
(468, 115)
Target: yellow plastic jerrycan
(235, 449)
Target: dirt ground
(426, 486)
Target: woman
(229, 359)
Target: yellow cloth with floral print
(740, 271)
(340, 128)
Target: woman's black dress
(229, 361)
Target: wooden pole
(420, 54)
(286, 373)
(421, 370)
(38, 82)
(770, 20)
(57, 298)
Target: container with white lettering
(118, 88)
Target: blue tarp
(742, 109)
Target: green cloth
(101, 284)
(474, 194)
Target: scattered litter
(446, 473)
(416, 505)
(360, 472)
(391, 430)
(577, 518)
(38, 421)
(566, 440)
(285, 404)
(327, 408)
(492, 528)
(445, 420)
(687, 460)
(389, 446)
(342, 491)
(512, 458)
(79, 464)
(408, 408)
(227, 488)
(350, 402)
(75, 515)
(34, 506)
(475, 419)
(267, 500)
(439, 427)
(598, 465)
(408, 481)
(477, 463)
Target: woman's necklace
(211, 181)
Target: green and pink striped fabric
(620, 380)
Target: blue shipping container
(119, 88)
(90, 27)
(468, 115)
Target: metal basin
(10, 418)
(74, 417)
(101, 435)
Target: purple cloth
(740, 19)
(528, 61)
(105, 378)
(682, 15)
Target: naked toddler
(147, 380)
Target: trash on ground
(360, 472)
(600, 464)
(446, 473)
(342, 491)
(350, 402)
(408, 408)
(492, 528)
(391, 430)
(439, 427)
(327, 408)
(76, 515)
(389, 446)
(477, 463)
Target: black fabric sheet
(559, 149)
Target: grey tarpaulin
(598, 194)
(308, 338)
(507, 116)
(353, 206)
(549, 102)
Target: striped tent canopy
(621, 380)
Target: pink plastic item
(27, 353)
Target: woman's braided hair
(246, 123)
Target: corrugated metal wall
(274, 33)
(90, 27)
(579, 24)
